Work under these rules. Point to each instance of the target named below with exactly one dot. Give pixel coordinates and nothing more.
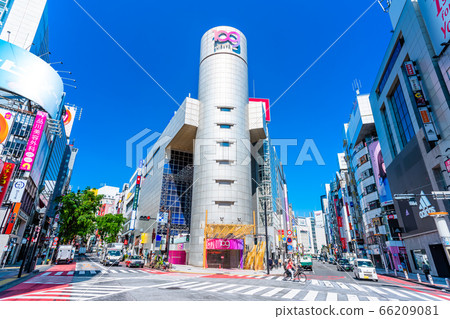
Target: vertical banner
(17, 190)
(12, 218)
(135, 201)
(379, 172)
(33, 142)
(6, 122)
(68, 119)
(5, 178)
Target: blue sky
(284, 38)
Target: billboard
(266, 106)
(17, 190)
(379, 172)
(25, 74)
(437, 20)
(12, 218)
(6, 122)
(5, 177)
(33, 142)
(69, 118)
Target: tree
(77, 214)
(109, 226)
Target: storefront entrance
(224, 258)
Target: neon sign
(227, 40)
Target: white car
(364, 269)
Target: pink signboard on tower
(33, 142)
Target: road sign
(284, 238)
(289, 233)
(289, 247)
(289, 240)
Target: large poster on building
(33, 142)
(379, 172)
(437, 20)
(6, 122)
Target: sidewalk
(215, 271)
(8, 275)
(439, 282)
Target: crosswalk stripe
(253, 291)
(221, 288)
(133, 271)
(328, 284)
(315, 282)
(376, 290)
(123, 271)
(113, 271)
(372, 298)
(279, 278)
(395, 292)
(272, 292)
(291, 294)
(331, 296)
(343, 286)
(417, 295)
(207, 286)
(42, 297)
(69, 293)
(311, 295)
(143, 271)
(46, 273)
(237, 289)
(196, 285)
(358, 287)
(59, 273)
(93, 272)
(269, 277)
(352, 298)
(168, 284)
(81, 272)
(393, 299)
(70, 273)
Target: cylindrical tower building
(222, 156)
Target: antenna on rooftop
(356, 84)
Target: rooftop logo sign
(227, 40)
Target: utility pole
(169, 220)
(267, 237)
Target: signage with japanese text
(33, 141)
(5, 178)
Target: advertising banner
(6, 122)
(437, 21)
(33, 142)
(25, 74)
(68, 119)
(5, 177)
(225, 244)
(266, 106)
(12, 218)
(17, 190)
(379, 172)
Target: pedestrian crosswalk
(95, 272)
(314, 292)
(72, 292)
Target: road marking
(81, 272)
(291, 294)
(221, 288)
(196, 285)
(133, 271)
(206, 287)
(352, 298)
(331, 296)
(269, 277)
(123, 271)
(358, 287)
(59, 273)
(393, 299)
(279, 278)
(168, 284)
(377, 290)
(311, 295)
(372, 298)
(237, 289)
(343, 286)
(67, 293)
(42, 297)
(253, 291)
(70, 273)
(46, 273)
(395, 292)
(328, 284)
(421, 296)
(272, 292)
(146, 272)
(315, 282)
(113, 271)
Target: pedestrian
(290, 268)
(276, 263)
(270, 263)
(426, 270)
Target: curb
(417, 282)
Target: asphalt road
(89, 281)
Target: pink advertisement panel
(225, 244)
(33, 142)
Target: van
(364, 269)
(66, 253)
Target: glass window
(225, 125)
(225, 144)
(390, 65)
(225, 109)
(387, 125)
(401, 114)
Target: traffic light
(187, 238)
